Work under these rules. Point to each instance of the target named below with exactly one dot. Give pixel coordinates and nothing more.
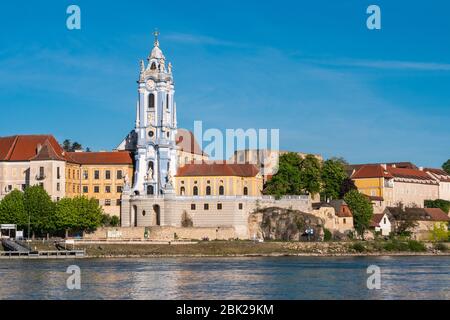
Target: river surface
(420, 277)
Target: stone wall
(162, 233)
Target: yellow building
(99, 175)
(218, 179)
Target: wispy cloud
(383, 64)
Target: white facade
(156, 127)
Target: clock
(150, 84)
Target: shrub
(358, 247)
(327, 235)
(416, 246)
(440, 246)
(115, 221)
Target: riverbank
(249, 248)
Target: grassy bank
(247, 248)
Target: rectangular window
(108, 189)
(118, 202)
(24, 186)
(9, 187)
(241, 206)
(219, 206)
(206, 206)
(41, 172)
(192, 206)
(85, 189)
(96, 189)
(58, 173)
(58, 186)
(119, 174)
(85, 174)
(119, 189)
(108, 175)
(96, 174)
(107, 202)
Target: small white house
(381, 223)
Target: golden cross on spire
(156, 34)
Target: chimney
(384, 166)
(38, 148)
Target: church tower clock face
(150, 84)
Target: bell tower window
(151, 101)
(167, 102)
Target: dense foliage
(444, 205)
(446, 166)
(362, 210)
(333, 176)
(308, 175)
(35, 207)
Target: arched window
(153, 66)
(151, 101)
(208, 190)
(182, 191)
(221, 190)
(195, 191)
(245, 191)
(150, 190)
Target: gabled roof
(93, 158)
(399, 174)
(371, 171)
(27, 147)
(217, 169)
(340, 208)
(420, 214)
(376, 219)
(438, 174)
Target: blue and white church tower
(156, 127)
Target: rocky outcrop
(284, 224)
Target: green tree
(333, 175)
(115, 221)
(440, 232)
(88, 212)
(41, 209)
(76, 146)
(66, 216)
(310, 174)
(446, 166)
(444, 205)
(287, 179)
(347, 186)
(67, 145)
(362, 210)
(12, 210)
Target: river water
(420, 277)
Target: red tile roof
(93, 158)
(439, 174)
(371, 171)
(437, 214)
(26, 147)
(378, 171)
(217, 169)
(376, 219)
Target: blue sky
(310, 68)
